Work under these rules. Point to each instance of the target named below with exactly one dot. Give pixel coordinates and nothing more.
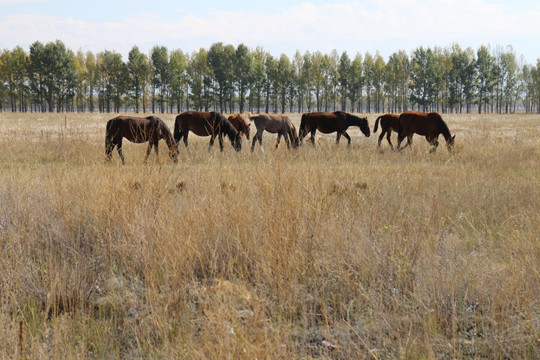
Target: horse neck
(167, 136)
(228, 129)
(443, 128)
(354, 121)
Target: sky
(278, 26)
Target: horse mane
(166, 134)
(227, 127)
(443, 128)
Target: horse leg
(312, 138)
(253, 143)
(400, 139)
(278, 139)
(287, 141)
(260, 141)
(119, 149)
(409, 140)
(148, 150)
(338, 136)
(388, 134)
(212, 139)
(348, 138)
(156, 149)
(220, 138)
(380, 138)
(434, 143)
(109, 147)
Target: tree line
(53, 78)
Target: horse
(138, 130)
(430, 125)
(338, 121)
(272, 123)
(206, 124)
(240, 124)
(389, 122)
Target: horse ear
(453, 137)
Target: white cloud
(386, 25)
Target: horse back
(420, 123)
(325, 122)
(199, 122)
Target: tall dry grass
(322, 252)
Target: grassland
(326, 252)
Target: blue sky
(278, 26)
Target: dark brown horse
(206, 124)
(389, 122)
(430, 125)
(138, 130)
(338, 121)
(240, 124)
(275, 124)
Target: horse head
(295, 140)
(364, 126)
(450, 143)
(362, 123)
(245, 126)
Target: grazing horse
(206, 124)
(138, 130)
(272, 123)
(240, 124)
(389, 122)
(331, 122)
(430, 125)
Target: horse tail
(108, 134)
(176, 130)
(303, 127)
(377, 124)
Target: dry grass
(322, 252)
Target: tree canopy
(51, 77)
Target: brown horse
(240, 124)
(206, 124)
(430, 125)
(138, 130)
(389, 122)
(338, 121)
(275, 124)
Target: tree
(270, 71)
(425, 72)
(198, 79)
(221, 60)
(356, 83)
(177, 63)
(113, 78)
(243, 74)
(91, 69)
(161, 76)
(14, 76)
(259, 77)
(344, 79)
(396, 80)
(318, 77)
(53, 77)
(139, 70)
(284, 80)
(378, 81)
(485, 66)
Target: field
(324, 252)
